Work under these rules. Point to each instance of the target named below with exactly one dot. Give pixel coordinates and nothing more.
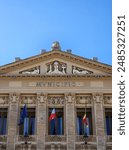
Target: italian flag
(53, 115)
(84, 120)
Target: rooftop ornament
(56, 46)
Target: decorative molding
(4, 99)
(28, 99)
(70, 97)
(83, 99)
(42, 98)
(56, 67)
(14, 97)
(107, 99)
(56, 100)
(34, 70)
(80, 71)
(98, 97)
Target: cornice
(28, 77)
(56, 54)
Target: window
(108, 121)
(56, 126)
(30, 122)
(82, 129)
(3, 121)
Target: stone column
(12, 121)
(99, 121)
(70, 121)
(41, 121)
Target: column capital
(14, 97)
(42, 97)
(97, 97)
(70, 97)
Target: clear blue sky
(26, 26)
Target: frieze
(42, 98)
(55, 100)
(83, 99)
(4, 99)
(28, 99)
(107, 99)
(56, 84)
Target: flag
(84, 120)
(25, 132)
(53, 115)
(23, 115)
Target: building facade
(56, 80)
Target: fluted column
(99, 120)
(12, 121)
(41, 121)
(70, 121)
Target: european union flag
(23, 115)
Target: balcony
(55, 138)
(3, 140)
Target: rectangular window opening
(108, 121)
(30, 122)
(3, 121)
(84, 128)
(56, 125)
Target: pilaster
(12, 120)
(41, 120)
(70, 121)
(99, 120)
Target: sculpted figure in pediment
(56, 68)
(80, 71)
(35, 70)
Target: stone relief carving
(56, 68)
(14, 97)
(83, 99)
(56, 46)
(4, 99)
(70, 97)
(107, 99)
(42, 98)
(35, 70)
(98, 97)
(28, 99)
(56, 100)
(77, 70)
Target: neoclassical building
(60, 80)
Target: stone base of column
(101, 143)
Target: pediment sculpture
(77, 70)
(56, 68)
(35, 70)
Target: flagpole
(26, 136)
(85, 134)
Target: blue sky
(26, 26)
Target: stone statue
(56, 46)
(56, 68)
(36, 71)
(82, 72)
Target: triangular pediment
(56, 63)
